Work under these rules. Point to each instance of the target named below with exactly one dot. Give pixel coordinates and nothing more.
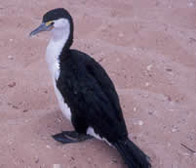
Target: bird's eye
(49, 23)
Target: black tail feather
(132, 155)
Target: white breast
(63, 106)
(52, 57)
(54, 48)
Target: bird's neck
(60, 37)
(59, 43)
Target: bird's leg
(71, 137)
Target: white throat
(60, 34)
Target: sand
(148, 48)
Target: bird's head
(56, 19)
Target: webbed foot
(71, 137)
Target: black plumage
(91, 96)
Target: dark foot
(70, 137)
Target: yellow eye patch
(48, 23)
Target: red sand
(148, 47)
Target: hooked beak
(42, 27)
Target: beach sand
(148, 48)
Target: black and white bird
(86, 94)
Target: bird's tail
(132, 155)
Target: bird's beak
(42, 27)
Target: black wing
(92, 97)
(106, 84)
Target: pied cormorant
(86, 94)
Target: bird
(86, 94)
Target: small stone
(100, 59)
(12, 84)
(150, 112)
(186, 154)
(10, 141)
(48, 146)
(174, 129)
(168, 144)
(121, 35)
(168, 69)
(59, 120)
(114, 160)
(149, 67)
(25, 110)
(15, 107)
(26, 121)
(36, 159)
(56, 166)
(11, 40)
(89, 160)
(140, 122)
(134, 49)
(169, 98)
(145, 95)
(190, 4)
(10, 57)
(135, 109)
(72, 158)
(147, 84)
(103, 28)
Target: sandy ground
(148, 47)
